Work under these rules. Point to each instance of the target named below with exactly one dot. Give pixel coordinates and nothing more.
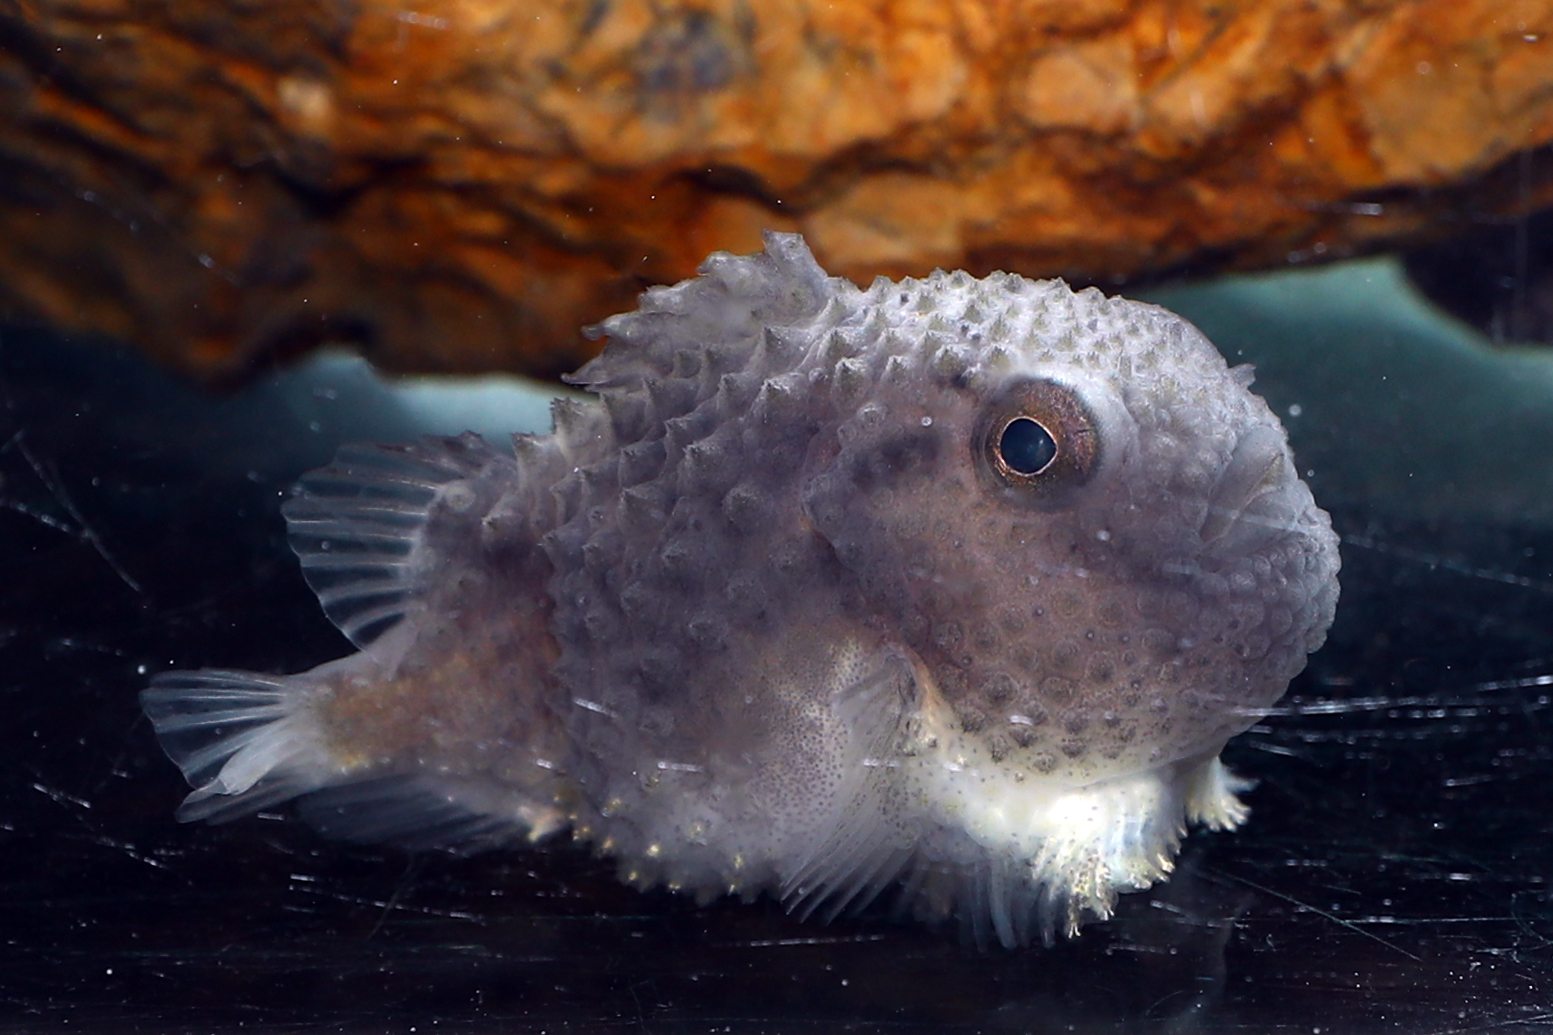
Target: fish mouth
(1256, 499)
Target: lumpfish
(954, 586)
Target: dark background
(1393, 876)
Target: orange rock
(461, 184)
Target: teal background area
(1393, 405)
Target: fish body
(955, 585)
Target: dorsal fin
(358, 525)
(733, 300)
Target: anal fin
(420, 811)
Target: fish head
(1081, 523)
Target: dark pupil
(1026, 447)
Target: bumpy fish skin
(956, 583)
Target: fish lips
(1258, 498)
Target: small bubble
(1295, 409)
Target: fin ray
(359, 525)
(237, 737)
(418, 812)
(862, 852)
(245, 741)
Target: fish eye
(1038, 440)
(1026, 447)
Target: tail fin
(377, 531)
(239, 738)
(246, 741)
(363, 528)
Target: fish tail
(247, 741)
(244, 741)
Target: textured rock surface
(462, 183)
